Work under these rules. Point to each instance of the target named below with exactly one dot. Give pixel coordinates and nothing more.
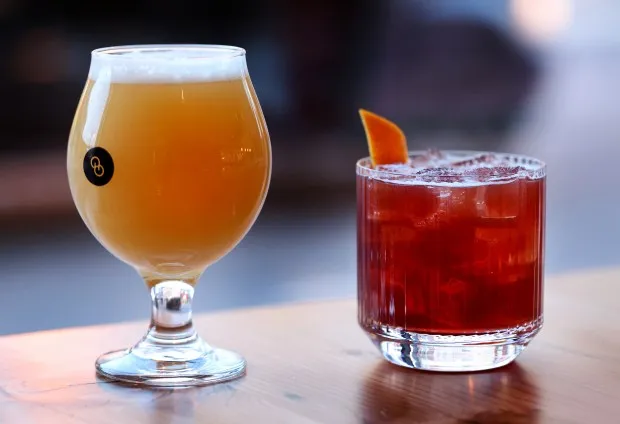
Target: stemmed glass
(169, 163)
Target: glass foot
(451, 353)
(192, 364)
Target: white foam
(167, 64)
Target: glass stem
(171, 315)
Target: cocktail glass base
(452, 353)
(192, 364)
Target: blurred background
(529, 76)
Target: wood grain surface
(309, 363)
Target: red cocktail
(450, 258)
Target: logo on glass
(98, 166)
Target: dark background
(522, 76)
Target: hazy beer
(190, 156)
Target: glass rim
(364, 165)
(222, 51)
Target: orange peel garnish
(386, 141)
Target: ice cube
(439, 175)
(430, 158)
(434, 153)
(396, 168)
(494, 173)
(402, 203)
(487, 158)
(503, 201)
(462, 203)
(454, 302)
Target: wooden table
(309, 363)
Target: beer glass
(169, 163)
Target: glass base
(450, 353)
(192, 364)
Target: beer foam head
(167, 63)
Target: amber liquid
(192, 165)
(450, 260)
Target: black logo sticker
(98, 166)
